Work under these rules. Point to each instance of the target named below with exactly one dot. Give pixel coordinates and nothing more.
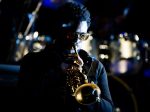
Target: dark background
(107, 19)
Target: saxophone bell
(87, 93)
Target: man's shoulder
(32, 57)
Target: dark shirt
(41, 75)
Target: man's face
(74, 35)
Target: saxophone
(85, 92)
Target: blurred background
(120, 40)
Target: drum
(33, 42)
(125, 54)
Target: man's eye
(84, 36)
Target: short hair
(74, 11)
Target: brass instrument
(84, 92)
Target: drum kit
(125, 53)
(33, 42)
(124, 56)
(29, 41)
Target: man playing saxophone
(64, 74)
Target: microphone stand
(34, 15)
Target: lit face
(82, 30)
(74, 34)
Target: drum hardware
(33, 42)
(104, 54)
(103, 51)
(123, 95)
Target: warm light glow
(103, 46)
(37, 47)
(126, 48)
(136, 37)
(103, 56)
(123, 66)
(79, 97)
